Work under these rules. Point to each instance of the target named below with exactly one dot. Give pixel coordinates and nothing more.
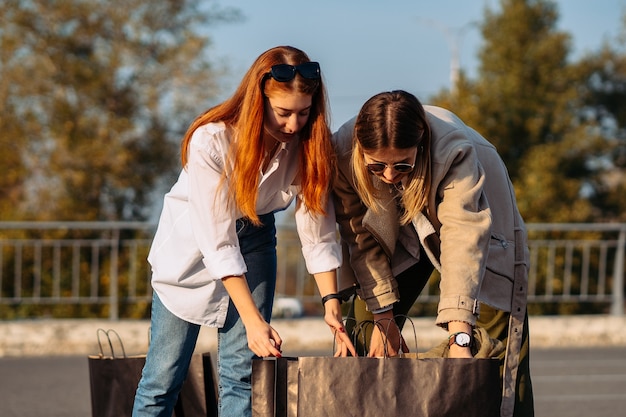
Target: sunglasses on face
(285, 72)
(401, 167)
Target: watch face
(462, 339)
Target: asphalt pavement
(567, 382)
(578, 363)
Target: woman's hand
(263, 339)
(334, 318)
(327, 284)
(386, 337)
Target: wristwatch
(460, 338)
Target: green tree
(580, 177)
(520, 87)
(602, 94)
(552, 121)
(94, 98)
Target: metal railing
(104, 264)
(577, 263)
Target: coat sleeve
(368, 260)
(465, 221)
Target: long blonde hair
(244, 112)
(396, 120)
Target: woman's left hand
(334, 318)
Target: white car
(287, 307)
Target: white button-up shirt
(196, 242)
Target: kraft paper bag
(373, 387)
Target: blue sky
(369, 46)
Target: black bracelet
(330, 297)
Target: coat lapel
(428, 238)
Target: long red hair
(244, 113)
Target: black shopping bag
(114, 378)
(198, 396)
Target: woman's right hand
(263, 339)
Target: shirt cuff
(323, 257)
(225, 262)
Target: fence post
(114, 284)
(617, 305)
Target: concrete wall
(78, 337)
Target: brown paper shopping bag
(373, 387)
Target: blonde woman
(418, 189)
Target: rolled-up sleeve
(318, 236)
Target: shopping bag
(114, 377)
(406, 385)
(198, 395)
(275, 387)
(373, 387)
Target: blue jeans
(173, 340)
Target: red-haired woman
(214, 254)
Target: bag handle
(407, 318)
(392, 321)
(358, 329)
(361, 329)
(108, 333)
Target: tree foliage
(603, 115)
(94, 97)
(559, 125)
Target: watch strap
(453, 336)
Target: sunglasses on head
(285, 72)
(379, 167)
